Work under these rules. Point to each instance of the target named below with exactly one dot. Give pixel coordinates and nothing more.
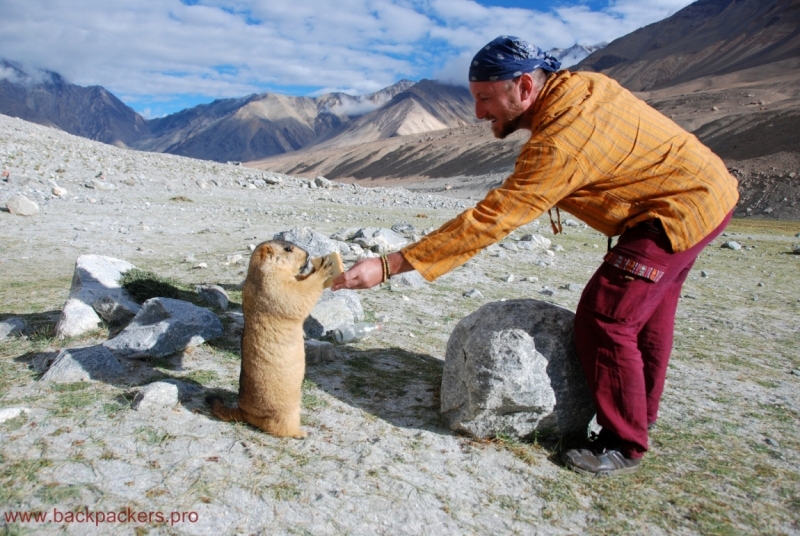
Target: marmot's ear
(265, 251)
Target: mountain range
(726, 70)
(246, 128)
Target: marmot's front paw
(332, 267)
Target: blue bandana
(507, 57)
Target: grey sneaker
(606, 463)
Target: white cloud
(230, 48)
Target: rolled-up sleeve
(542, 177)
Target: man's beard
(508, 126)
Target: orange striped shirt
(602, 155)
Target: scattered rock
(330, 312)
(403, 227)
(473, 293)
(95, 276)
(93, 363)
(319, 352)
(731, 244)
(406, 280)
(796, 249)
(771, 442)
(164, 326)
(58, 191)
(316, 244)
(547, 292)
(164, 394)
(510, 246)
(703, 273)
(113, 311)
(509, 278)
(22, 206)
(322, 182)
(572, 287)
(379, 240)
(12, 326)
(101, 185)
(214, 295)
(537, 240)
(511, 368)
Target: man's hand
(365, 273)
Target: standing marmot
(276, 299)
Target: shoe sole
(603, 474)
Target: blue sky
(161, 56)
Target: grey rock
(326, 316)
(731, 244)
(316, 244)
(96, 184)
(114, 312)
(569, 222)
(344, 247)
(547, 292)
(572, 287)
(164, 326)
(510, 246)
(511, 367)
(322, 182)
(796, 249)
(473, 293)
(12, 326)
(403, 227)
(319, 352)
(95, 276)
(272, 179)
(537, 240)
(163, 394)
(379, 240)
(703, 273)
(771, 442)
(407, 280)
(84, 364)
(509, 278)
(22, 206)
(351, 299)
(558, 247)
(214, 295)
(345, 234)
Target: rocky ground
(725, 457)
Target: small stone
(760, 283)
(547, 292)
(703, 273)
(550, 253)
(509, 278)
(214, 295)
(795, 372)
(251, 247)
(200, 266)
(771, 442)
(319, 352)
(162, 395)
(22, 206)
(731, 244)
(714, 109)
(473, 293)
(58, 191)
(532, 279)
(558, 247)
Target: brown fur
(276, 299)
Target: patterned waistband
(633, 267)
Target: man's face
(498, 103)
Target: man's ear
(525, 85)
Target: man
(626, 170)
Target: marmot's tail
(222, 411)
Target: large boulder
(511, 368)
(163, 327)
(95, 277)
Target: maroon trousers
(624, 328)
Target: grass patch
(143, 285)
(17, 476)
(310, 398)
(55, 493)
(201, 377)
(152, 436)
(285, 491)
